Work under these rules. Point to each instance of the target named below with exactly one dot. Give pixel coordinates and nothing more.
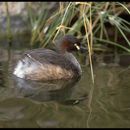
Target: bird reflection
(59, 90)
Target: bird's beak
(77, 47)
(80, 48)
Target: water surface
(60, 104)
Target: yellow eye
(78, 48)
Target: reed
(9, 32)
(88, 21)
(84, 21)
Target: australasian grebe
(46, 64)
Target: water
(64, 104)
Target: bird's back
(45, 64)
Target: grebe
(46, 64)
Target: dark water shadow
(2, 80)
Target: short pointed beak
(77, 47)
(80, 48)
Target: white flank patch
(27, 66)
(18, 70)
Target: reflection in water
(2, 79)
(62, 104)
(58, 90)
